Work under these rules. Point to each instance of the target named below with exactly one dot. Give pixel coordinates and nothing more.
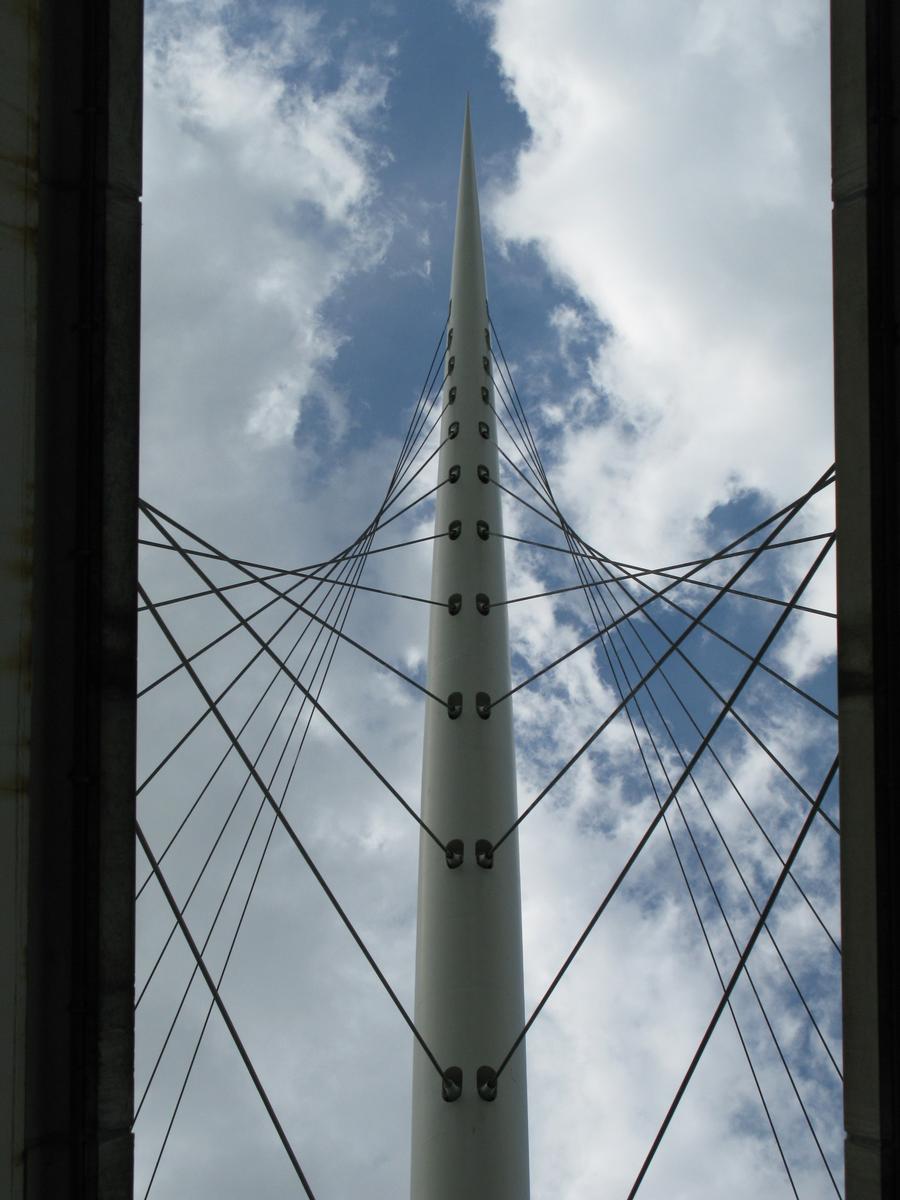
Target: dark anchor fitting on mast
(484, 854)
(483, 603)
(453, 430)
(485, 395)
(486, 1082)
(455, 853)
(451, 1084)
(454, 705)
(454, 604)
(454, 530)
(483, 705)
(486, 363)
(451, 396)
(453, 473)
(451, 363)
(483, 473)
(483, 530)
(484, 429)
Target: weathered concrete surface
(70, 144)
(865, 236)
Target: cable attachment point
(483, 530)
(486, 1082)
(486, 363)
(451, 396)
(451, 363)
(451, 1084)
(483, 473)
(484, 854)
(453, 473)
(453, 430)
(454, 530)
(454, 604)
(487, 338)
(449, 338)
(483, 705)
(485, 395)
(483, 603)
(455, 852)
(454, 705)
(484, 429)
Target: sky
(654, 185)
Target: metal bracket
(483, 603)
(484, 854)
(483, 473)
(486, 1083)
(453, 473)
(455, 853)
(451, 1084)
(483, 530)
(451, 363)
(454, 530)
(454, 705)
(454, 604)
(486, 363)
(483, 705)
(484, 429)
(449, 338)
(453, 430)
(451, 396)
(485, 395)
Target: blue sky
(654, 192)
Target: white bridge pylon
(469, 1134)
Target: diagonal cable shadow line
(594, 584)
(581, 567)
(686, 612)
(591, 554)
(338, 599)
(790, 512)
(754, 664)
(175, 548)
(420, 441)
(735, 976)
(744, 724)
(217, 999)
(633, 627)
(286, 573)
(327, 653)
(581, 564)
(427, 386)
(686, 878)
(729, 551)
(292, 834)
(299, 607)
(715, 824)
(658, 816)
(634, 572)
(213, 708)
(551, 520)
(592, 601)
(190, 658)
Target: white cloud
(677, 177)
(675, 180)
(260, 185)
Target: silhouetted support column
(866, 175)
(70, 244)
